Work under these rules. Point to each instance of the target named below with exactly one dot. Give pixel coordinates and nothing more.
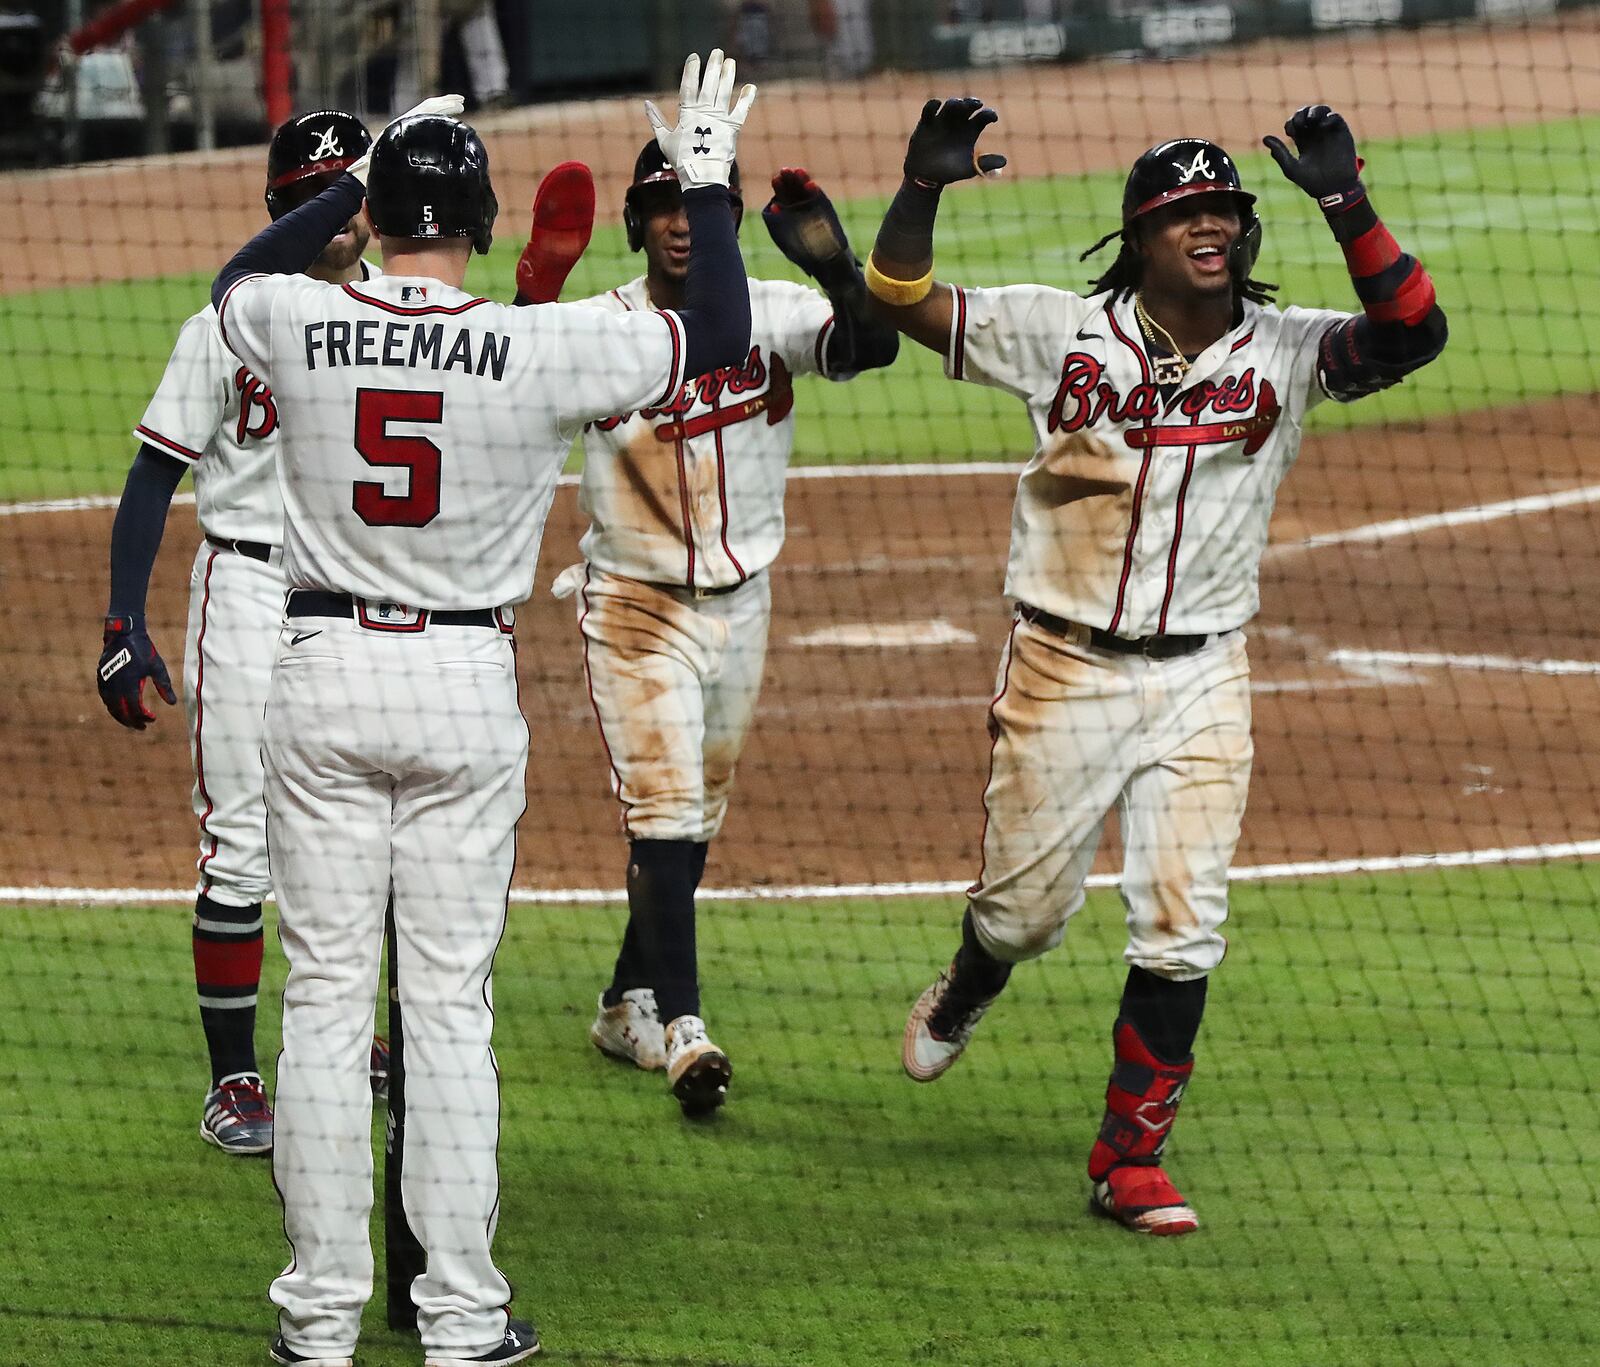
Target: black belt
(320, 603)
(256, 550)
(1151, 647)
(700, 593)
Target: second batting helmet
(655, 188)
(430, 179)
(308, 153)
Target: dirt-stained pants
(1077, 731)
(674, 681)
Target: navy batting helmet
(308, 153)
(655, 188)
(430, 179)
(1175, 170)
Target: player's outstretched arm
(701, 148)
(563, 221)
(943, 149)
(129, 657)
(1401, 327)
(290, 244)
(802, 222)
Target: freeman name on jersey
(336, 342)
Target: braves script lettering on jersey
(690, 491)
(423, 430)
(1141, 514)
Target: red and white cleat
(1144, 1200)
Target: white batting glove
(447, 106)
(701, 147)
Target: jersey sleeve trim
(172, 448)
(958, 333)
(222, 305)
(823, 333)
(677, 378)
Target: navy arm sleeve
(141, 520)
(716, 305)
(289, 245)
(859, 340)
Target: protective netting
(1389, 1134)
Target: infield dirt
(867, 763)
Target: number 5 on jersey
(375, 410)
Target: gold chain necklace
(1168, 369)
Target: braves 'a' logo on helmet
(1198, 169)
(327, 145)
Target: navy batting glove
(944, 145)
(1327, 168)
(129, 658)
(801, 220)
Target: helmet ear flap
(484, 236)
(1245, 248)
(632, 225)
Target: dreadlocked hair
(1123, 277)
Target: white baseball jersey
(1141, 514)
(690, 491)
(429, 426)
(212, 413)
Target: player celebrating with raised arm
(424, 430)
(685, 499)
(1167, 405)
(210, 413)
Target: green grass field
(1390, 1139)
(1505, 219)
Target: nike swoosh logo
(305, 636)
(1089, 336)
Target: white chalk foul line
(1455, 517)
(1439, 659)
(1248, 873)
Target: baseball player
(216, 416)
(1167, 404)
(685, 501)
(423, 432)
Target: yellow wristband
(900, 293)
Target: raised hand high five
(944, 144)
(702, 144)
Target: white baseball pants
(392, 760)
(674, 681)
(1079, 731)
(235, 606)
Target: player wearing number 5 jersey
(423, 431)
(685, 498)
(213, 414)
(1167, 404)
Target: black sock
(227, 974)
(701, 850)
(979, 975)
(658, 950)
(633, 965)
(1165, 1013)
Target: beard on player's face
(1184, 246)
(345, 249)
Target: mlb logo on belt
(390, 616)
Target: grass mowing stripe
(1389, 1139)
(1512, 247)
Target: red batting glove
(563, 220)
